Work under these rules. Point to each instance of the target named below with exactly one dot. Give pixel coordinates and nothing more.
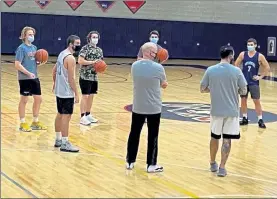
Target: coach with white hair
(148, 78)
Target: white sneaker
(84, 121)
(130, 166)
(155, 169)
(91, 119)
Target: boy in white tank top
(66, 92)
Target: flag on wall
(9, 3)
(134, 6)
(43, 4)
(74, 5)
(105, 5)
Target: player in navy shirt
(252, 62)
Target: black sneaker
(261, 124)
(244, 121)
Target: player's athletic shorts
(29, 87)
(228, 127)
(254, 90)
(88, 87)
(65, 105)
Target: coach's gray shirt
(147, 78)
(224, 81)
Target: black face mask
(76, 48)
(152, 53)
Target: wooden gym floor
(32, 167)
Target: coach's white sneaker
(85, 121)
(130, 166)
(91, 119)
(154, 168)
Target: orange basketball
(100, 66)
(41, 56)
(162, 55)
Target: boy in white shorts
(225, 82)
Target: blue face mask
(250, 48)
(154, 40)
(31, 38)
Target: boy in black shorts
(66, 92)
(88, 56)
(29, 83)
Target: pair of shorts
(29, 87)
(65, 105)
(254, 90)
(88, 87)
(228, 127)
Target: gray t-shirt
(224, 81)
(26, 56)
(147, 78)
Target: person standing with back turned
(148, 78)
(224, 82)
(252, 60)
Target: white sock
(64, 140)
(244, 115)
(22, 120)
(58, 135)
(35, 119)
(260, 117)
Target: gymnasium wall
(189, 29)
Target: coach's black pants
(153, 123)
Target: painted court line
(52, 151)
(229, 174)
(118, 161)
(176, 122)
(239, 195)
(140, 160)
(18, 185)
(168, 184)
(233, 196)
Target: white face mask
(250, 48)
(94, 41)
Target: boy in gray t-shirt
(224, 82)
(29, 83)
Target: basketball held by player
(154, 38)
(252, 62)
(66, 92)
(224, 82)
(88, 57)
(29, 82)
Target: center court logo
(197, 112)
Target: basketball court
(33, 168)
